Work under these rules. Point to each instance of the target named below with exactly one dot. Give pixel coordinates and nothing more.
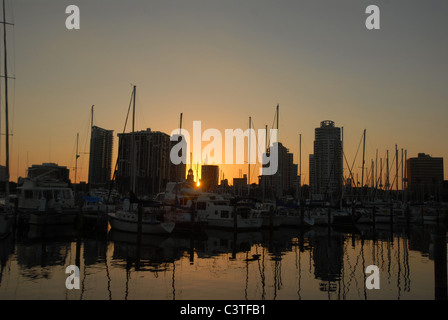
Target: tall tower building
(425, 176)
(326, 173)
(151, 163)
(209, 177)
(100, 161)
(285, 180)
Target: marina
(285, 263)
(147, 206)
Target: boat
(291, 218)
(221, 213)
(344, 216)
(177, 206)
(320, 216)
(264, 210)
(45, 201)
(127, 218)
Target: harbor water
(318, 263)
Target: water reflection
(286, 263)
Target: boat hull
(131, 225)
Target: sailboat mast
(6, 107)
(396, 168)
(300, 166)
(91, 120)
(363, 159)
(133, 142)
(76, 157)
(248, 173)
(278, 115)
(180, 124)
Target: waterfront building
(100, 160)
(326, 162)
(425, 176)
(151, 163)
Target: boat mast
(6, 107)
(363, 161)
(76, 157)
(300, 167)
(396, 169)
(248, 154)
(132, 143)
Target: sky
(221, 62)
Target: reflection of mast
(261, 268)
(173, 282)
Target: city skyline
(221, 62)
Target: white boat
(290, 218)
(46, 202)
(320, 216)
(128, 222)
(220, 213)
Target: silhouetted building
(190, 178)
(177, 171)
(49, 172)
(425, 176)
(326, 162)
(285, 180)
(100, 161)
(240, 186)
(152, 162)
(209, 177)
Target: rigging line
(119, 148)
(256, 150)
(349, 170)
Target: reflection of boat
(50, 231)
(6, 222)
(156, 240)
(220, 241)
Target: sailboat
(127, 219)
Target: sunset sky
(221, 61)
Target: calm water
(286, 264)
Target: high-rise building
(177, 171)
(209, 177)
(285, 180)
(326, 163)
(240, 186)
(425, 176)
(100, 160)
(150, 164)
